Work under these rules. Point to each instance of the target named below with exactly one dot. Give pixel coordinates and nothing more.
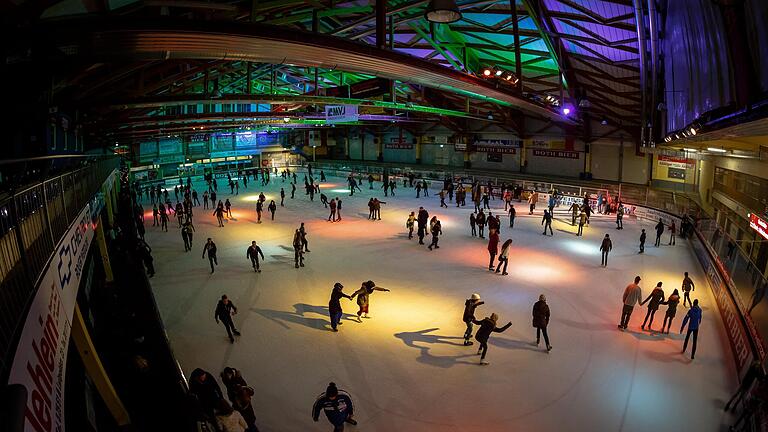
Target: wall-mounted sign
(676, 173)
(341, 113)
(460, 147)
(501, 146)
(398, 143)
(494, 157)
(676, 162)
(494, 149)
(565, 154)
(758, 224)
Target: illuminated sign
(341, 113)
(759, 225)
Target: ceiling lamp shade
(442, 11)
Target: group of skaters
(231, 414)
(425, 224)
(633, 295)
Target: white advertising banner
(341, 113)
(41, 355)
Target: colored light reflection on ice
(340, 190)
(254, 198)
(582, 247)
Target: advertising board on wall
(564, 154)
(399, 143)
(341, 113)
(41, 355)
(676, 162)
(758, 224)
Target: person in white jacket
(504, 256)
(228, 419)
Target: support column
(467, 161)
(523, 154)
(379, 148)
(381, 24)
(95, 370)
(419, 139)
(108, 204)
(101, 240)
(587, 158)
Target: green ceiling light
(442, 12)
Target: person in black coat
(659, 232)
(253, 253)
(422, 218)
(334, 305)
(224, 311)
(204, 386)
(487, 325)
(654, 299)
(469, 315)
(541, 320)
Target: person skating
(210, 249)
(546, 220)
(364, 298)
(282, 197)
(187, 234)
(293, 190)
(504, 256)
(228, 207)
(304, 242)
(672, 233)
(575, 210)
(324, 200)
(633, 294)
(532, 199)
(605, 248)
(219, 213)
(693, 321)
(441, 194)
(163, 218)
(672, 301)
(473, 223)
(337, 405)
(469, 315)
(409, 224)
(334, 305)
(487, 325)
(422, 219)
(377, 208)
(298, 249)
(225, 310)
(252, 254)
(493, 247)
(155, 215)
(687, 287)
(338, 209)
(582, 221)
(322, 176)
(654, 299)
(493, 222)
(541, 320)
(512, 215)
(332, 216)
(480, 220)
(436, 230)
(620, 217)
(272, 207)
(259, 210)
(659, 232)
(642, 241)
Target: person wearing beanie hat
(334, 305)
(487, 326)
(469, 315)
(337, 405)
(363, 298)
(654, 300)
(541, 320)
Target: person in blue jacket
(693, 319)
(337, 405)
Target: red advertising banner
(565, 154)
(759, 225)
(676, 162)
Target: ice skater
(512, 214)
(659, 232)
(582, 221)
(633, 294)
(282, 197)
(654, 299)
(334, 305)
(259, 210)
(409, 224)
(253, 253)
(210, 250)
(422, 219)
(672, 233)
(187, 234)
(225, 310)
(532, 199)
(298, 249)
(304, 242)
(541, 320)
(332, 216)
(693, 320)
(487, 325)
(672, 301)
(469, 315)
(219, 213)
(605, 248)
(436, 229)
(337, 406)
(493, 248)
(575, 210)
(642, 241)
(504, 256)
(547, 222)
(480, 221)
(364, 298)
(687, 287)
(620, 217)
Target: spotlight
(286, 119)
(490, 115)
(692, 130)
(487, 72)
(716, 150)
(690, 150)
(566, 111)
(604, 121)
(442, 11)
(499, 72)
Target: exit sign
(759, 225)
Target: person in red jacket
(493, 247)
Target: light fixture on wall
(716, 150)
(442, 11)
(490, 115)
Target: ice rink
(406, 368)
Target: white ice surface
(406, 368)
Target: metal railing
(32, 222)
